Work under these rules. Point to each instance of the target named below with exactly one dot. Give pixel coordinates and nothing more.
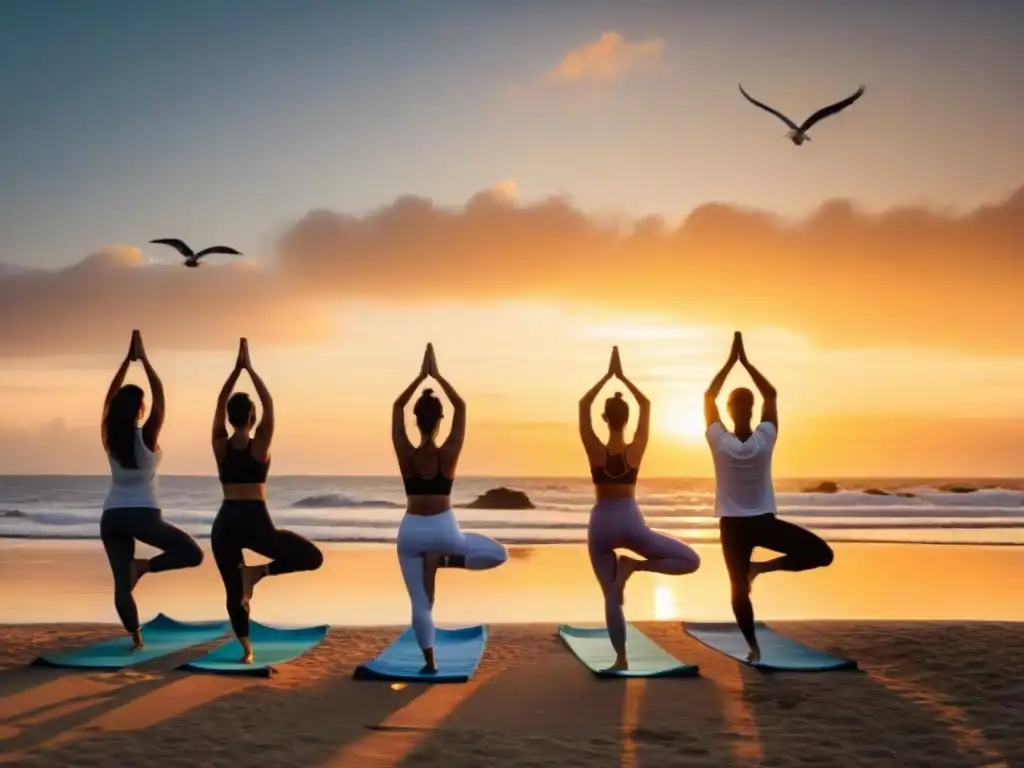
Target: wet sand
(360, 585)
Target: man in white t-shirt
(744, 496)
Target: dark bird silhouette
(192, 258)
(798, 134)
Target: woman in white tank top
(131, 511)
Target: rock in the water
(826, 487)
(907, 495)
(12, 513)
(501, 498)
(957, 488)
(876, 492)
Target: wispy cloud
(608, 58)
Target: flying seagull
(191, 258)
(798, 134)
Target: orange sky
(522, 367)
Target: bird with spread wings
(192, 258)
(798, 133)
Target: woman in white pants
(429, 537)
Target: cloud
(905, 277)
(908, 276)
(93, 306)
(505, 190)
(607, 58)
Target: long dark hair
(428, 411)
(122, 420)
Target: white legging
(438, 534)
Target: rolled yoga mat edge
(592, 647)
(457, 653)
(271, 647)
(779, 653)
(161, 636)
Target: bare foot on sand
(624, 568)
(251, 575)
(137, 640)
(247, 655)
(431, 562)
(621, 664)
(139, 568)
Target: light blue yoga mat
(270, 646)
(646, 657)
(457, 653)
(778, 652)
(161, 636)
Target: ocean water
(368, 509)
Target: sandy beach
(930, 694)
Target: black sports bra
(438, 485)
(240, 467)
(622, 475)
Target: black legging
(801, 550)
(119, 529)
(247, 525)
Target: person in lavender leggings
(616, 521)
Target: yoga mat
(456, 651)
(646, 657)
(161, 636)
(270, 646)
(778, 652)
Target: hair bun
(618, 395)
(428, 392)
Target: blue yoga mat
(456, 651)
(778, 652)
(161, 636)
(646, 657)
(270, 646)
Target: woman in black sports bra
(243, 521)
(429, 537)
(616, 521)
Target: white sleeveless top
(134, 487)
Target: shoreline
(360, 585)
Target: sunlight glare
(684, 420)
(664, 603)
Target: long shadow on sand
(303, 716)
(965, 681)
(530, 697)
(849, 718)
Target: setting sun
(684, 420)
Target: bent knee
(316, 557)
(825, 555)
(499, 554)
(195, 557)
(694, 561)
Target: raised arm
(220, 430)
(157, 410)
(643, 426)
(591, 442)
(711, 414)
(265, 430)
(115, 384)
(399, 437)
(457, 436)
(770, 407)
